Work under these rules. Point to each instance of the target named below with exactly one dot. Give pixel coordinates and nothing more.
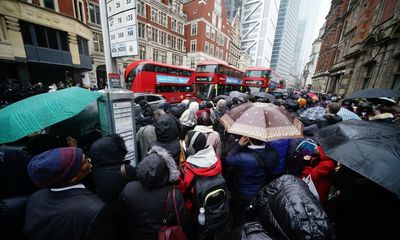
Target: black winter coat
(72, 214)
(144, 202)
(287, 210)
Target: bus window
(258, 73)
(206, 68)
(148, 68)
(132, 75)
(205, 91)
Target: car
(154, 100)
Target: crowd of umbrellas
(368, 148)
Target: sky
(323, 11)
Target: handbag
(171, 232)
(310, 184)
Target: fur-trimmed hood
(157, 169)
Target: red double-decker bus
(263, 79)
(173, 82)
(213, 78)
(257, 77)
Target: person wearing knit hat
(201, 161)
(302, 102)
(64, 209)
(143, 202)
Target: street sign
(121, 19)
(114, 80)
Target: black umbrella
(374, 93)
(270, 97)
(371, 149)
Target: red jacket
(321, 174)
(189, 172)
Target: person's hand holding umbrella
(243, 141)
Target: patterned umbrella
(347, 115)
(32, 114)
(314, 113)
(262, 121)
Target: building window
(154, 15)
(219, 22)
(41, 36)
(173, 42)
(216, 51)
(193, 45)
(78, 6)
(206, 47)
(194, 29)
(94, 13)
(163, 19)
(214, 19)
(155, 55)
(163, 38)
(173, 25)
(83, 46)
(367, 78)
(192, 62)
(211, 49)
(180, 28)
(141, 30)
(154, 35)
(49, 4)
(142, 52)
(212, 34)
(208, 31)
(163, 56)
(180, 44)
(140, 8)
(174, 59)
(98, 42)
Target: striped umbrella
(347, 115)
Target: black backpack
(211, 194)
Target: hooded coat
(202, 164)
(288, 210)
(107, 161)
(321, 174)
(167, 130)
(188, 117)
(212, 136)
(144, 201)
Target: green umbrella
(35, 113)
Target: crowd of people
(194, 180)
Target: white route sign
(122, 27)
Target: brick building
(44, 41)
(161, 31)
(367, 49)
(330, 38)
(234, 43)
(207, 31)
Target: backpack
(211, 194)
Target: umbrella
(312, 95)
(40, 111)
(314, 113)
(371, 149)
(79, 125)
(263, 121)
(345, 114)
(279, 90)
(270, 97)
(374, 93)
(238, 95)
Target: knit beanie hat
(302, 102)
(55, 167)
(200, 143)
